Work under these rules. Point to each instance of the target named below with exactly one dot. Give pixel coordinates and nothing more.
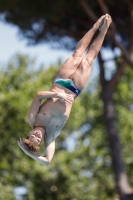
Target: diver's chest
(50, 120)
(43, 118)
(54, 127)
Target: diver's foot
(105, 24)
(99, 23)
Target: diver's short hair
(31, 146)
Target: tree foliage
(49, 20)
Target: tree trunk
(122, 186)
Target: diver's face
(36, 135)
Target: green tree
(82, 174)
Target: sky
(11, 43)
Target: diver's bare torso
(53, 114)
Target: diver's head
(34, 138)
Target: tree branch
(101, 65)
(117, 75)
(81, 22)
(88, 10)
(124, 51)
(113, 58)
(130, 5)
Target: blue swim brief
(67, 83)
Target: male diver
(48, 119)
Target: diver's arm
(49, 153)
(38, 158)
(45, 160)
(62, 96)
(35, 105)
(34, 108)
(46, 95)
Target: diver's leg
(82, 73)
(72, 63)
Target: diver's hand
(65, 98)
